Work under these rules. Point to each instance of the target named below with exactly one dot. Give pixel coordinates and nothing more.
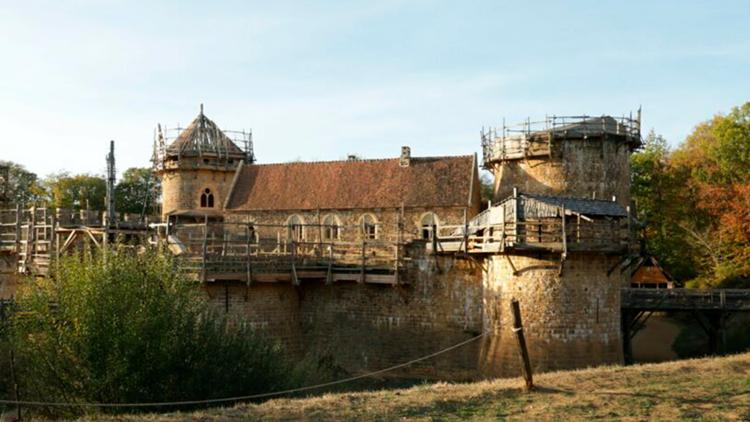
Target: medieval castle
(372, 263)
(375, 262)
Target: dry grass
(702, 389)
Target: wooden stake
(205, 245)
(364, 260)
(249, 268)
(18, 229)
(523, 351)
(329, 272)
(400, 228)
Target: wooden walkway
(710, 307)
(685, 299)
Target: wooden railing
(220, 249)
(516, 141)
(554, 234)
(685, 299)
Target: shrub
(132, 328)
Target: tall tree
(713, 166)
(22, 186)
(137, 191)
(657, 191)
(80, 191)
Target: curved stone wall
(571, 319)
(182, 187)
(575, 168)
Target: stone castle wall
(366, 327)
(575, 168)
(571, 319)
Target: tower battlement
(576, 157)
(530, 139)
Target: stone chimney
(405, 156)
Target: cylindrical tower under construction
(562, 190)
(196, 167)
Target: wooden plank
(371, 278)
(205, 246)
(523, 351)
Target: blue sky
(320, 80)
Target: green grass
(711, 389)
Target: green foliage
(80, 191)
(136, 191)
(729, 148)
(695, 201)
(132, 329)
(656, 191)
(22, 185)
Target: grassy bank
(700, 389)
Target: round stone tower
(579, 157)
(562, 191)
(197, 167)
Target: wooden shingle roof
(203, 136)
(351, 184)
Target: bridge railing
(685, 299)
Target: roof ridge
(359, 160)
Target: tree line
(693, 201)
(135, 192)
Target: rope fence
(247, 397)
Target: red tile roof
(426, 182)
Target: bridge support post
(717, 334)
(713, 324)
(627, 317)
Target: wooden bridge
(710, 307)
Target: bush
(133, 329)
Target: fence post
(249, 265)
(434, 239)
(523, 351)
(205, 246)
(19, 215)
(364, 260)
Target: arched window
(295, 228)
(331, 227)
(207, 199)
(369, 227)
(426, 223)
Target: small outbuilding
(649, 274)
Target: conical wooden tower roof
(203, 137)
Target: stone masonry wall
(364, 327)
(182, 188)
(576, 168)
(571, 320)
(350, 219)
(270, 308)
